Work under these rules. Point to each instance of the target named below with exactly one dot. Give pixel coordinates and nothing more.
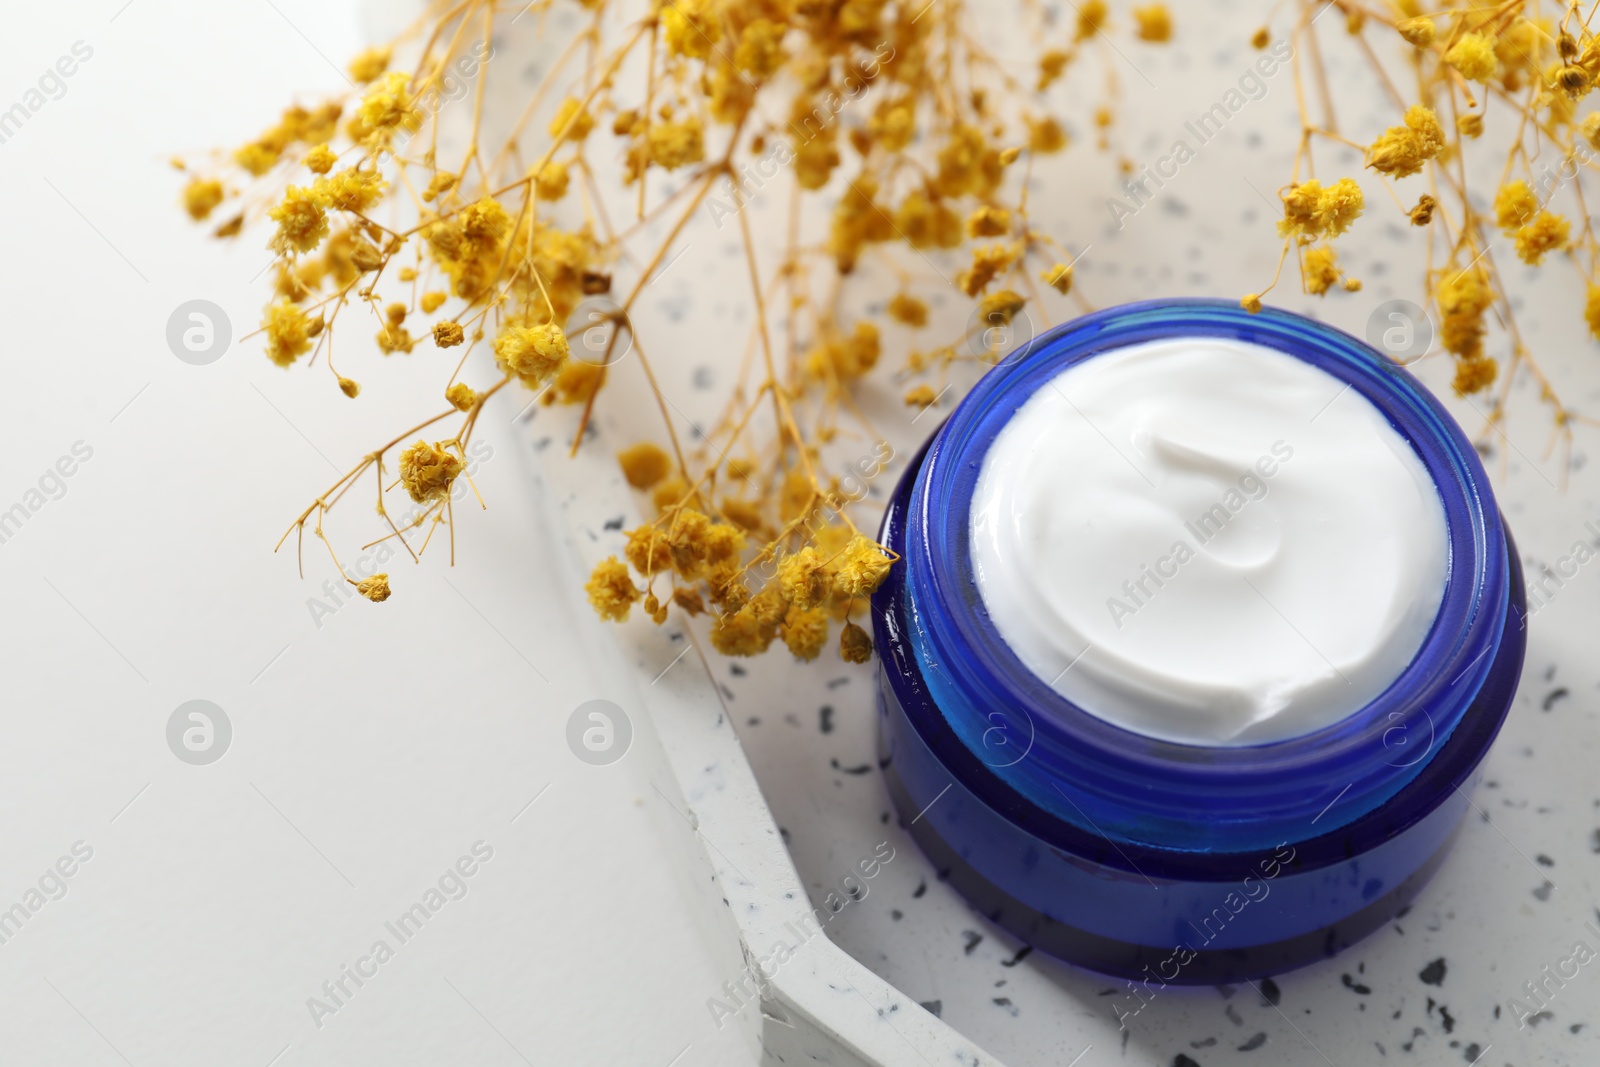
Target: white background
(369, 753)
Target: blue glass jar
(1159, 861)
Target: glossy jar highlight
(1162, 861)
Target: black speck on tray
(1270, 991)
(1433, 973)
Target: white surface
(369, 753)
(1138, 497)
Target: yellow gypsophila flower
(201, 197)
(461, 396)
(1154, 21)
(860, 568)
(611, 590)
(320, 160)
(302, 222)
(369, 65)
(289, 332)
(804, 579)
(1473, 56)
(532, 353)
(1591, 310)
(1091, 17)
(375, 589)
(1514, 204)
(448, 333)
(1418, 32)
(675, 144)
(1402, 150)
(1547, 232)
(854, 644)
(805, 632)
(742, 632)
(427, 471)
(1311, 211)
(1321, 270)
(572, 122)
(349, 190)
(907, 309)
(644, 464)
(388, 106)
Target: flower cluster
(902, 139)
(1537, 63)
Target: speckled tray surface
(1519, 891)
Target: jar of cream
(1203, 623)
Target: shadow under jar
(1177, 862)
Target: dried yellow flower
(302, 222)
(803, 578)
(427, 471)
(572, 122)
(742, 633)
(462, 396)
(1591, 310)
(387, 105)
(670, 493)
(1463, 297)
(201, 197)
(1000, 307)
(1474, 57)
(532, 353)
(1046, 135)
(1547, 232)
(1418, 32)
(1311, 211)
(1514, 204)
(1470, 125)
(759, 52)
(1402, 150)
(1091, 18)
(1474, 375)
(907, 309)
(988, 261)
(854, 644)
(289, 333)
(1251, 302)
(1154, 22)
(321, 159)
(805, 632)
(647, 550)
(349, 387)
(1422, 214)
(576, 382)
(860, 568)
(1059, 278)
(675, 144)
(611, 589)
(432, 302)
(375, 589)
(448, 333)
(1261, 38)
(1320, 269)
(369, 65)
(644, 464)
(353, 189)
(1051, 66)
(551, 181)
(988, 221)
(845, 358)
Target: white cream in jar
(1208, 541)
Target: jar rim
(1104, 760)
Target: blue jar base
(1138, 962)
